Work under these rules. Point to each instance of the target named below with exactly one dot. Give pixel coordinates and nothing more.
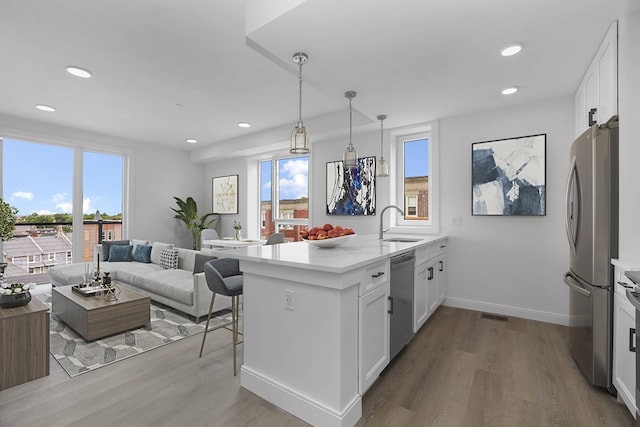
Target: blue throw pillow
(142, 254)
(121, 253)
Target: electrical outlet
(289, 300)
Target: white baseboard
(301, 406)
(506, 310)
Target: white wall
(156, 175)
(247, 195)
(507, 265)
(629, 110)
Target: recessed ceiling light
(244, 124)
(79, 72)
(192, 141)
(509, 90)
(511, 50)
(46, 108)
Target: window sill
(414, 229)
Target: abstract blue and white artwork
(508, 176)
(351, 191)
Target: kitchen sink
(401, 239)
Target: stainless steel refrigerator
(592, 231)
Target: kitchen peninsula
(316, 320)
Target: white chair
(208, 234)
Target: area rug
(77, 356)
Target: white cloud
(294, 179)
(60, 197)
(45, 212)
(86, 206)
(64, 207)
(23, 195)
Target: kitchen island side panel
(303, 360)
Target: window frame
(398, 138)
(275, 194)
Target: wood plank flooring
(459, 370)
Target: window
(57, 189)
(416, 178)
(288, 198)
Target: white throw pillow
(156, 251)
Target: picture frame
(351, 191)
(225, 194)
(508, 176)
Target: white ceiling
(164, 71)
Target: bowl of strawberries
(327, 236)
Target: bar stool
(223, 276)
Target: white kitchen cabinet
(624, 342)
(596, 98)
(374, 335)
(441, 274)
(429, 281)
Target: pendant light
(299, 136)
(383, 166)
(350, 154)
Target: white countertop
(358, 252)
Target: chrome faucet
(380, 234)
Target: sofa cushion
(156, 250)
(127, 272)
(135, 243)
(174, 284)
(169, 258)
(118, 253)
(186, 258)
(107, 243)
(142, 253)
(198, 266)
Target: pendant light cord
(350, 122)
(300, 99)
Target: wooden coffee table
(93, 318)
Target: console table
(24, 343)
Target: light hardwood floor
(459, 370)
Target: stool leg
(206, 328)
(234, 321)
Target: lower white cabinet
(624, 342)
(374, 335)
(430, 282)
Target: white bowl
(330, 242)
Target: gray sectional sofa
(179, 288)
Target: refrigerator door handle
(574, 283)
(569, 214)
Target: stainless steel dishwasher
(401, 307)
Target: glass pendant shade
(350, 154)
(350, 157)
(382, 168)
(299, 136)
(299, 140)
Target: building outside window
(288, 198)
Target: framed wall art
(351, 191)
(225, 194)
(509, 176)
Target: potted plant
(7, 225)
(188, 213)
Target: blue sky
(38, 178)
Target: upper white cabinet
(596, 98)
